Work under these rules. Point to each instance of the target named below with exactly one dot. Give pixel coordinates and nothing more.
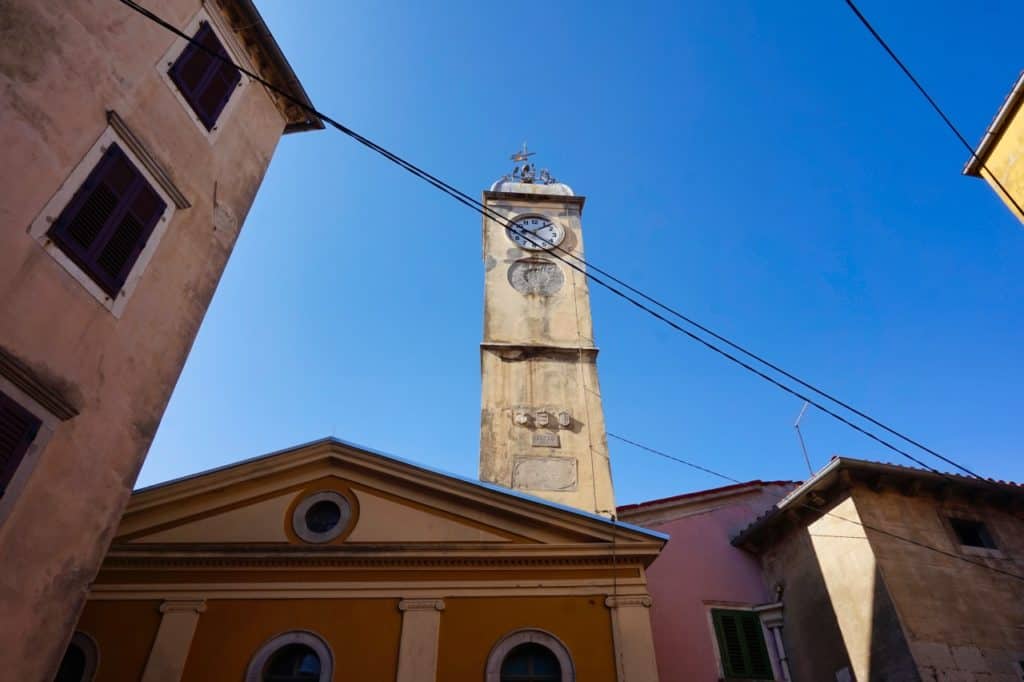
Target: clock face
(536, 232)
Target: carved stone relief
(535, 276)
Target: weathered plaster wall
(837, 610)
(962, 622)
(62, 66)
(538, 355)
(1006, 161)
(700, 567)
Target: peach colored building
(131, 161)
(701, 585)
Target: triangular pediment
(391, 503)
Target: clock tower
(542, 426)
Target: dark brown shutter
(205, 81)
(18, 428)
(107, 223)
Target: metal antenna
(803, 446)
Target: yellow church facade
(997, 159)
(332, 562)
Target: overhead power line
(931, 101)
(816, 510)
(585, 268)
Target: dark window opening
(108, 221)
(72, 666)
(18, 428)
(205, 81)
(972, 533)
(531, 662)
(293, 663)
(323, 516)
(741, 645)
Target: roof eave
(251, 22)
(1010, 105)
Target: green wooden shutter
(741, 644)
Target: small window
(18, 428)
(108, 221)
(297, 656)
(531, 662)
(293, 663)
(741, 645)
(321, 517)
(79, 662)
(205, 82)
(972, 533)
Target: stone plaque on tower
(542, 425)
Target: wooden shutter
(205, 81)
(109, 220)
(18, 428)
(741, 644)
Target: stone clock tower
(542, 426)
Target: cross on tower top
(526, 172)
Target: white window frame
(237, 55)
(537, 636)
(35, 450)
(254, 673)
(59, 201)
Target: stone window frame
(511, 640)
(961, 512)
(87, 645)
(226, 37)
(305, 533)
(30, 460)
(254, 673)
(117, 133)
(762, 611)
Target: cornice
(536, 198)
(47, 395)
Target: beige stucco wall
(962, 622)
(1005, 162)
(837, 612)
(538, 355)
(62, 66)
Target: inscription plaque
(544, 473)
(546, 439)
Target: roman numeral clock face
(536, 233)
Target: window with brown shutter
(205, 81)
(18, 428)
(105, 226)
(741, 645)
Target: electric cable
(536, 240)
(866, 526)
(938, 110)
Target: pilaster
(167, 657)
(421, 629)
(634, 641)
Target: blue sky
(762, 166)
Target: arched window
(531, 662)
(79, 662)
(530, 656)
(297, 656)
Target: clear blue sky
(763, 166)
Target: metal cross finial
(522, 154)
(524, 171)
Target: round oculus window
(321, 517)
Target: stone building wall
(63, 67)
(963, 622)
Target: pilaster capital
(624, 602)
(183, 606)
(421, 605)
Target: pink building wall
(699, 568)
